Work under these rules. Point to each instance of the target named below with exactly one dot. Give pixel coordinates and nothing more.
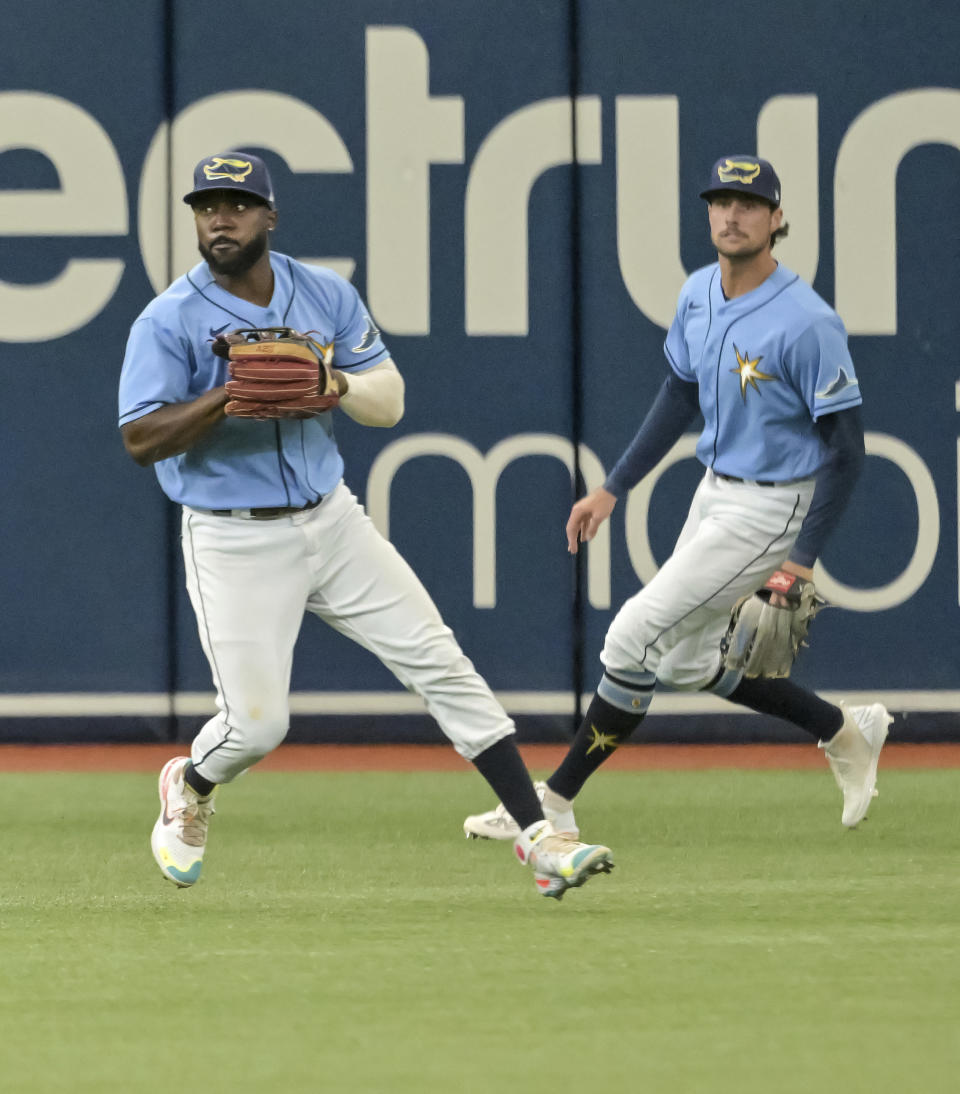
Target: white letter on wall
(91, 201)
(865, 192)
(484, 473)
(512, 157)
(648, 213)
(787, 137)
(407, 130)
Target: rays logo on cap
(747, 173)
(221, 168)
(744, 171)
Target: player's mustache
(221, 239)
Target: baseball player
(269, 529)
(765, 361)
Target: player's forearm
(373, 397)
(173, 429)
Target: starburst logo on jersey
(221, 168)
(744, 171)
(326, 351)
(603, 741)
(748, 372)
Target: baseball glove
(276, 372)
(763, 638)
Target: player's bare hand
(586, 517)
(340, 378)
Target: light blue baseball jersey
(243, 463)
(768, 364)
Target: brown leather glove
(276, 373)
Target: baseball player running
(765, 361)
(269, 529)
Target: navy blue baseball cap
(232, 171)
(747, 174)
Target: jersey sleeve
(675, 346)
(820, 365)
(357, 344)
(156, 370)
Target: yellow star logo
(748, 372)
(326, 351)
(603, 741)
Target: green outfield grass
(345, 938)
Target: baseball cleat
(180, 834)
(853, 753)
(498, 824)
(558, 862)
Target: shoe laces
(558, 844)
(194, 820)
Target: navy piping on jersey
(306, 462)
(196, 288)
(716, 389)
(723, 342)
(213, 658)
(293, 295)
(278, 440)
(733, 577)
(246, 322)
(364, 361)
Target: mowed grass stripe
(346, 938)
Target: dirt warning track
(654, 757)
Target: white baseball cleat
(853, 753)
(180, 834)
(558, 862)
(498, 824)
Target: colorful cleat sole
(593, 860)
(181, 875)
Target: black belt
(748, 482)
(265, 513)
(762, 482)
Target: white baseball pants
(250, 583)
(735, 536)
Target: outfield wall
(512, 187)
